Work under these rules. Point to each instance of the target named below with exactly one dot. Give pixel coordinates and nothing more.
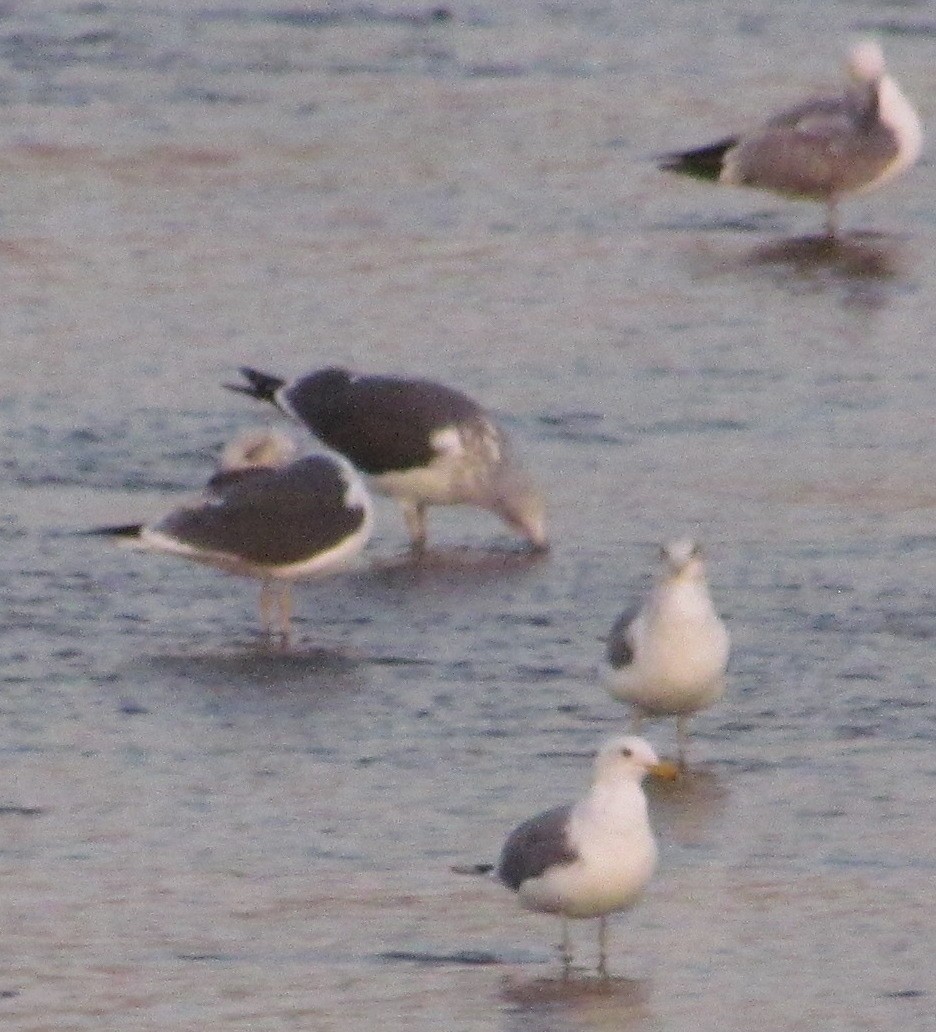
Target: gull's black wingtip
(701, 162)
(259, 385)
(125, 530)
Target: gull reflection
(576, 1003)
(454, 567)
(859, 256)
(690, 809)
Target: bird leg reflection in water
(276, 610)
(682, 735)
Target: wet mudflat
(197, 830)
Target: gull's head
(866, 61)
(683, 558)
(257, 449)
(519, 502)
(631, 758)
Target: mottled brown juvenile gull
(267, 515)
(824, 148)
(422, 443)
(668, 656)
(594, 857)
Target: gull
(593, 857)
(824, 148)
(267, 515)
(421, 443)
(668, 656)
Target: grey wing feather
(823, 115)
(621, 647)
(817, 149)
(811, 164)
(270, 516)
(536, 845)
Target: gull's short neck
(685, 595)
(899, 115)
(613, 795)
(691, 574)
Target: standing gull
(668, 657)
(594, 857)
(422, 443)
(267, 515)
(824, 148)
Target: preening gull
(594, 857)
(824, 148)
(668, 656)
(268, 515)
(422, 443)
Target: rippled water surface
(197, 832)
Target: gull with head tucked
(668, 656)
(594, 857)
(267, 515)
(824, 148)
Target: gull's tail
(259, 385)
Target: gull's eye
(627, 751)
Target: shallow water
(198, 831)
